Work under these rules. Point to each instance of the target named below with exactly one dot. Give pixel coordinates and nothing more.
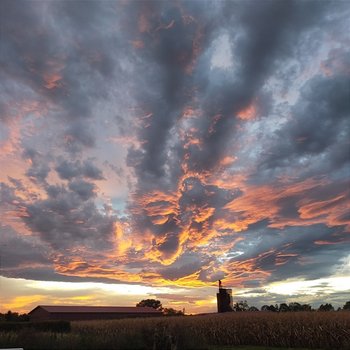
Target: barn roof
(97, 309)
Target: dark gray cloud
(76, 59)
(84, 189)
(168, 52)
(39, 168)
(68, 170)
(319, 128)
(67, 218)
(270, 31)
(7, 193)
(176, 272)
(17, 251)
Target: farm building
(224, 299)
(72, 313)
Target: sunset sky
(150, 148)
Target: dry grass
(312, 330)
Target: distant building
(224, 299)
(73, 313)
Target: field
(310, 330)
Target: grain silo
(224, 299)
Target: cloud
(68, 170)
(20, 252)
(84, 189)
(268, 35)
(319, 136)
(68, 218)
(39, 169)
(225, 122)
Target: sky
(150, 148)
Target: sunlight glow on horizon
(322, 285)
(112, 288)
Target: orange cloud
(262, 202)
(329, 211)
(204, 214)
(52, 80)
(248, 113)
(322, 242)
(237, 272)
(52, 76)
(227, 161)
(75, 266)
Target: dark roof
(98, 309)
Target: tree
(11, 316)
(172, 312)
(295, 307)
(283, 308)
(241, 306)
(269, 308)
(155, 304)
(253, 309)
(306, 307)
(347, 306)
(326, 307)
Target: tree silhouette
(155, 304)
(253, 309)
(172, 312)
(241, 306)
(346, 306)
(284, 308)
(269, 308)
(305, 307)
(295, 307)
(14, 317)
(326, 307)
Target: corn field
(311, 330)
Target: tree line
(243, 306)
(10, 316)
(291, 307)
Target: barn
(73, 313)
